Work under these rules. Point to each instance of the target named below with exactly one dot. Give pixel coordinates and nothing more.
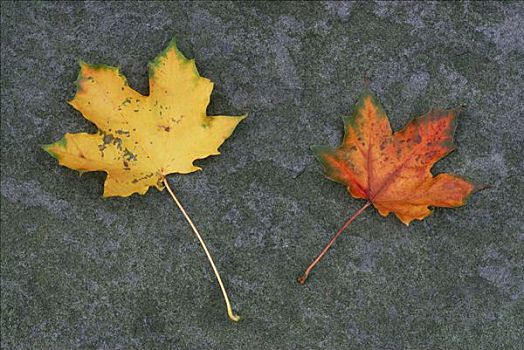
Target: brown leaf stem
(230, 312)
(302, 279)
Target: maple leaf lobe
(141, 139)
(392, 170)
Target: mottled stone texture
(79, 271)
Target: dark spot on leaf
(142, 178)
(122, 132)
(108, 139)
(118, 143)
(129, 156)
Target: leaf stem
(302, 279)
(230, 312)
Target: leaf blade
(142, 139)
(393, 170)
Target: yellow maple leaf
(141, 139)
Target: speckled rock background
(80, 271)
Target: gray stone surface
(79, 271)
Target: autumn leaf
(141, 139)
(392, 171)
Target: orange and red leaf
(393, 170)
